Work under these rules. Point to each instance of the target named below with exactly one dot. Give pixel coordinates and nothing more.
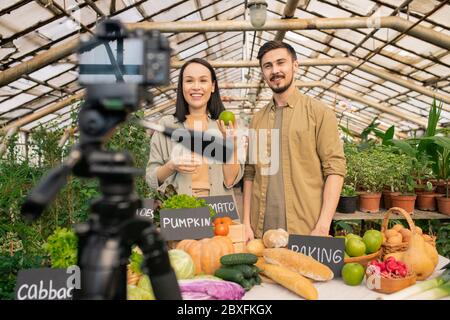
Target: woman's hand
(184, 166)
(227, 131)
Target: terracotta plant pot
(426, 202)
(440, 188)
(370, 202)
(419, 190)
(443, 205)
(387, 198)
(347, 204)
(405, 202)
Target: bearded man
(297, 190)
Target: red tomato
(227, 220)
(221, 229)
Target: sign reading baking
(327, 250)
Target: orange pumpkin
(207, 252)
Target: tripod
(105, 240)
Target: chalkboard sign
(146, 211)
(47, 283)
(223, 205)
(327, 250)
(179, 224)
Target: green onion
(433, 294)
(420, 287)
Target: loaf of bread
(298, 262)
(290, 280)
(276, 238)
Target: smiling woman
(198, 107)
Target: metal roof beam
(399, 24)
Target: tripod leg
(157, 265)
(103, 269)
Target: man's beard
(281, 89)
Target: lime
(373, 240)
(355, 247)
(351, 235)
(353, 274)
(227, 116)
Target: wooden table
(358, 215)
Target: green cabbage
(207, 276)
(182, 264)
(143, 290)
(136, 293)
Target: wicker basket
(363, 260)
(387, 248)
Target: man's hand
(321, 230)
(248, 233)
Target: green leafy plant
(374, 167)
(10, 266)
(348, 191)
(443, 240)
(428, 186)
(62, 247)
(136, 260)
(183, 201)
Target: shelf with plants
(419, 165)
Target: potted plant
(426, 200)
(393, 176)
(443, 165)
(422, 172)
(348, 200)
(443, 201)
(407, 199)
(372, 170)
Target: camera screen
(119, 60)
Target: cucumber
(230, 274)
(238, 258)
(246, 270)
(246, 284)
(257, 280)
(256, 270)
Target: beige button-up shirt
(311, 150)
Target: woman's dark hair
(273, 44)
(215, 105)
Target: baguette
(290, 280)
(298, 262)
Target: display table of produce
(335, 289)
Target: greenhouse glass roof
(379, 70)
